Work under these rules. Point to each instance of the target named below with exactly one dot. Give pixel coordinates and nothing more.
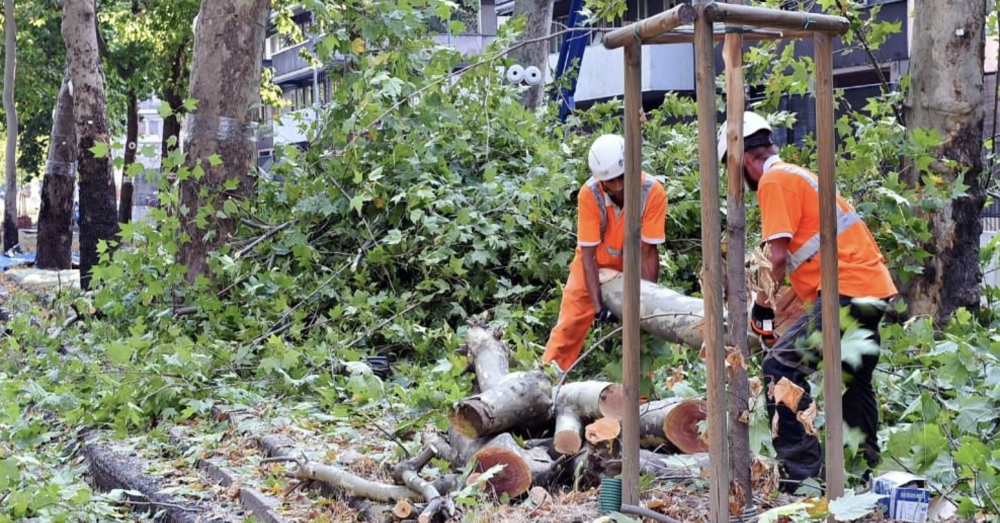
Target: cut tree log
(592, 399)
(672, 466)
(673, 424)
(603, 431)
(521, 468)
(677, 318)
(506, 400)
(567, 439)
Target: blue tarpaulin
(23, 260)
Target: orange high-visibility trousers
(576, 314)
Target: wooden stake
(776, 18)
(828, 266)
(630, 318)
(680, 15)
(736, 225)
(711, 245)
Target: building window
(142, 127)
(153, 127)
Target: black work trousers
(793, 358)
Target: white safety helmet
(607, 157)
(752, 123)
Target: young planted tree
(55, 235)
(98, 209)
(10, 63)
(221, 146)
(946, 95)
(538, 22)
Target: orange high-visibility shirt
(789, 208)
(610, 249)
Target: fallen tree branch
(262, 238)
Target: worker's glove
(762, 323)
(606, 316)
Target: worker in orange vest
(600, 244)
(788, 196)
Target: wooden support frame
(660, 29)
(632, 266)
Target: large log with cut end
(665, 313)
(676, 317)
(521, 468)
(592, 399)
(673, 424)
(507, 400)
(522, 398)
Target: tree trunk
(98, 216)
(538, 14)
(229, 40)
(946, 94)
(10, 64)
(673, 423)
(172, 96)
(55, 219)
(131, 145)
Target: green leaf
(99, 150)
(851, 506)
(190, 104)
(215, 160)
(164, 110)
(120, 353)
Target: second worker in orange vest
(600, 244)
(789, 207)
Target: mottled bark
(55, 219)
(946, 94)
(98, 206)
(229, 41)
(538, 14)
(10, 63)
(131, 145)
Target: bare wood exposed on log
(522, 468)
(775, 18)
(506, 400)
(603, 431)
(567, 438)
(592, 399)
(680, 15)
(673, 423)
(403, 509)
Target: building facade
(305, 88)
